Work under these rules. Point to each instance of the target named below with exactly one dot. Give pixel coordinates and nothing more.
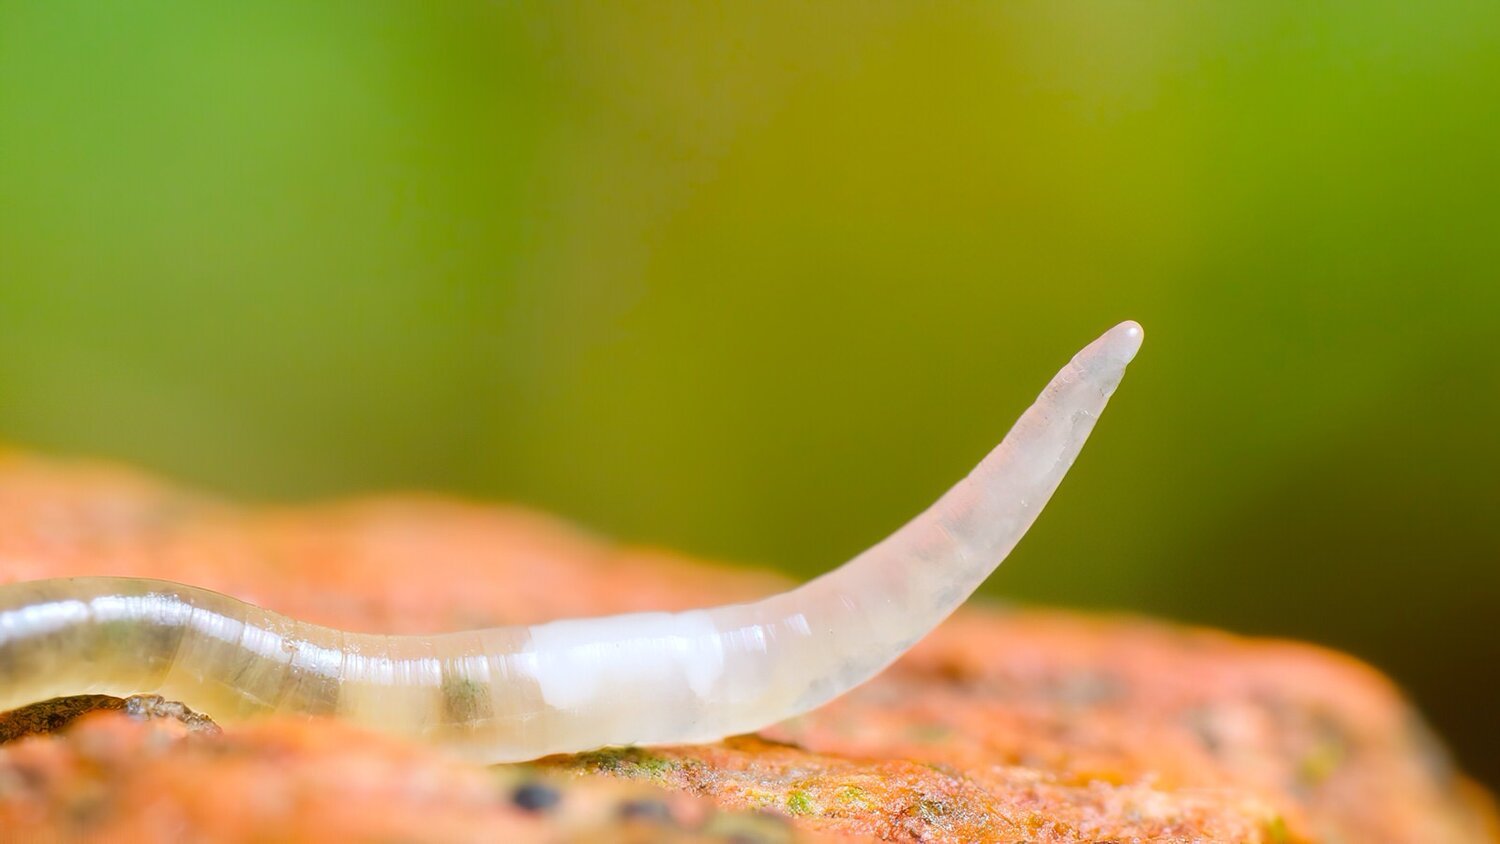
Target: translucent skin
(515, 693)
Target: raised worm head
(514, 693)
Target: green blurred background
(758, 281)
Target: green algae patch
(631, 762)
(854, 797)
(800, 802)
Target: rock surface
(1002, 726)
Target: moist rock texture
(1002, 726)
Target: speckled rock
(1002, 726)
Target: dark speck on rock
(535, 797)
(645, 810)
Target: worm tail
(514, 693)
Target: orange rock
(1020, 726)
(111, 779)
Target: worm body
(516, 693)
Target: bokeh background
(758, 281)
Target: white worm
(516, 693)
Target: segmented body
(515, 693)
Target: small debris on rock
(54, 715)
(152, 707)
(50, 716)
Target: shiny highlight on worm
(515, 693)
